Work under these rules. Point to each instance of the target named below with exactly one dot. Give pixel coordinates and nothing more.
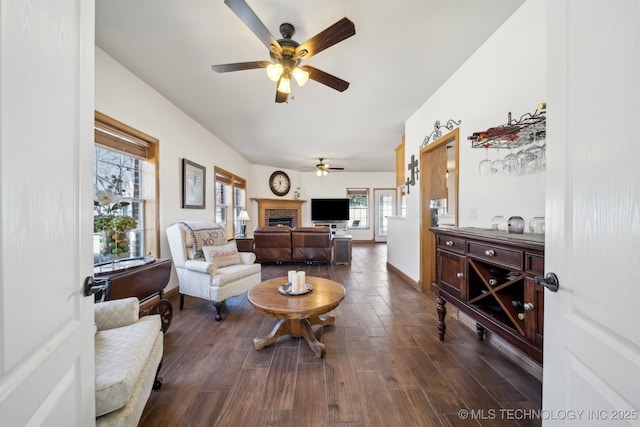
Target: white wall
(125, 97)
(334, 185)
(506, 74)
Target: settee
(272, 244)
(128, 357)
(311, 244)
(281, 244)
(208, 266)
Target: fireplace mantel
(264, 204)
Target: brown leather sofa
(282, 244)
(311, 244)
(272, 244)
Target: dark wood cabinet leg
(442, 312)
(181, 301)
(480, 330)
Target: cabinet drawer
(449, 243)
(508, 257)
(534, 264)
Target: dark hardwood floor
(384, 364)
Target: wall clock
(279, 183)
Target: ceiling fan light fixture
(285, 85)
(274, 71)
(301, 76)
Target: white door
(46, 133)
(592, 339)
(384, 206)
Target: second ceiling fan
(323, 168)
(286, 54)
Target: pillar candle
(299, 285)
(291, 275)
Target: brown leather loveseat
(282, 244)
(272, 244)
(309, 244)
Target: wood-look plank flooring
(384, 364)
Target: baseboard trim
(415, 285)
(509, 351)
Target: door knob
(549, 281)
(93, 286)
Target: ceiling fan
(323, 168)
(286, 54)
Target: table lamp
(244, 216)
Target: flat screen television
(329, 210)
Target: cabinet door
(534, 317)
(451, 268)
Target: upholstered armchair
(311, 244)
(128, 357)
(207, 265)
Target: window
(125, 192)
(358, 207)
(231, 199)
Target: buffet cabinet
(490, 276)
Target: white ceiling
(401, 53)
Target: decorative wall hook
(437, 130)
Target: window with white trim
(358, 207)
(231, 199)
(125, 192)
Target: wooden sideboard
(490, 276)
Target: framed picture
(193, 185)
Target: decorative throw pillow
(222, 255)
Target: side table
(342, 249)
(244, 244)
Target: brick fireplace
(279, 211)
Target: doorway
(384, 207)
(439, 182)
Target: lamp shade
(244, 216)
(274, 71)
(285, 85)
(300, 75)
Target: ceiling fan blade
(343, 29)
(251, 20)
(281, 97)
(336, 169)
(326, 78)
(239, 66)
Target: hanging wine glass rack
(514, 133)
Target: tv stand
(337, 228)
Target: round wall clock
(279, 183)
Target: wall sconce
(244, 217)
(413, 167)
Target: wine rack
(497, 299)
(489, 275)
(514, 133)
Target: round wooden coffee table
(296, 313)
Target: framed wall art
(193, 185)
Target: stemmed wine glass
(497, 164)
(509, 162)
(485, 165)
(531, 156)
